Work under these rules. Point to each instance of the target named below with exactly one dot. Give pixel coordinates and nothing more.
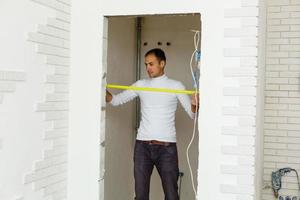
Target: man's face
(154, 67)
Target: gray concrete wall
(176, 30)
(120, 121)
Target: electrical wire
(196, 86)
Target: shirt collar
(160, 77)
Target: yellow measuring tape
(123, 87)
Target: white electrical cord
(196, 44)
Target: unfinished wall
(282, 99)
(120, 121)
(33, 128)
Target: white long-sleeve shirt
(157, 108)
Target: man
(156, 139)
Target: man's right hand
(108, 96)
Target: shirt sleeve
(124, 97)
(185, 101)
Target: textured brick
(295, 2)
(278, 28)
(240, 72)
(240, 52)
(57, 79)
(240, 32)
(243, 91)
(294, 34)
(273, 22)
(51, 161)
(7, 86)
(55, 187)
(276, 93)
(49, 40)
(291, 61)
(57, 97)
(249, 21)
(48, 30)
(1, 97)
(273, 35)
(250, 3)
(276, 67)
(274, 9)
(241, 12)
(57, 5)
(59, 70)
(250, 111)
(272, 61)
(294, 54)
(60, 141)
(270, 113)
(294, 81)
(276, 119)
(59, 24)
(12, 76)
(247, 101)
(290, 48)
(279, 133)
(272, 74)
(231, 169)
(290, 100)
(271, 100)
(295, 14)
(295, 127)
(53, 106)
(63, 17)
(289, 113)
(238, 150)
(50, 180)
(238, 131)
(56, 133)
(294, 107)
(241, 189)
(62, 123)
(278, 41)
(289, 87)
(57, 60)
(44, 173)
(58, 151)
(280, 15)
(290, 21)
(248, 81)
(290, 8)
(278, 2)
(295, 40)
(52, 50)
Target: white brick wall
(240, 72)
(8, 81)
(52, 43)
(282, 102)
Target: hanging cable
(196, 75)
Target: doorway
(129, 38)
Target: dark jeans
(165, 159)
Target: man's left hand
(195, 99)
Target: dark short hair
(158, 53)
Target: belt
(151, 142)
